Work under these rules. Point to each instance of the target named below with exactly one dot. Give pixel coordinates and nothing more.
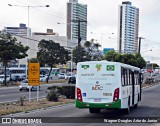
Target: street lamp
(28, 37)
(146, 51)
(71, 61)
(147, 61)
(71, 49)
(28, 23)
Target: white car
(42, 78)
(68, 76)
(61, 76)
(2, 78)
(24, 86)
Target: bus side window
(123, 76)
(126, 79)
(136, 77)
(130, 74)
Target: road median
(17, 107)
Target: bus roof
(105, 61)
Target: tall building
(21, 30)
(76, 11)
(128, 28)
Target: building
(33, 44)
(76, 11)
(36, 38)
(33, 41)
(21, 30)
(49, 32)
(128, 28)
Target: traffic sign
(33, 74)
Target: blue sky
(102, 18)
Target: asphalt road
(148, 107)
(9, 94)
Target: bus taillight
(116, 94)
(79, 95)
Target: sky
(102, 20)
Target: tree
(33, 60)
(93, 50)
(152, 66)
(112, 56)
(140, 62)
(90, 52)
(84, 56)
(155, 65)
(11, 50)
(131, 59)
(51, 53)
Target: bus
(45, 70)
(17, 73)
(20, 72)
(107, 85)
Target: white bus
(107, 85)
(17, 71)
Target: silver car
(24, 86)
(61, 76)
(2, 78)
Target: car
(24, 86)
(61, 76)
(72, 80)
(68, 75)
(2, 78)
(18, 77)
(42, 78)
(50, 77)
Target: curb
(150, 86)
(36, 110)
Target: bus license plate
(97, 100)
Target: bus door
(133, 87)
(140, 82)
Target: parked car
(24, 86)
(18, 77)
(68, 76)
(42, 78)
(2, 78)
(61, 76)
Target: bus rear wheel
(94, 110)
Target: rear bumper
(114, 105)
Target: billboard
(105, 50)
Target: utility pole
(79, 38)
(139, 49)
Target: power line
(51, 9)
(62, 17)
(38, 40)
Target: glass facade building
(76, 11)
(128, 28)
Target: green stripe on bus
(116, 104)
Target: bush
(53, 95)
(68, 91)
(52, 87)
